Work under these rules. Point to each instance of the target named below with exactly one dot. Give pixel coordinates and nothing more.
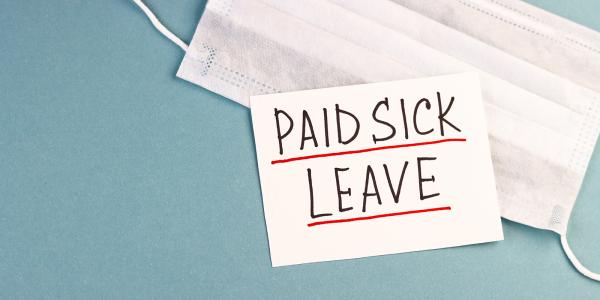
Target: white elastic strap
(583, 270)
(159, 26)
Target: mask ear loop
(159, 26)
(583, 270)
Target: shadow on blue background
(120, 181)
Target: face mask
(542, 128)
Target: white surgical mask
(542, 127)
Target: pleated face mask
(543, 121)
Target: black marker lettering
(387, 106)
(395, 194)
(404, 120)
(339, 127)
(366, 193)
(443, 114)
(306, 120)
(340, 192)
(312, 200)
(428, 106)
(326, 127)
(421, 179)
(280, 137)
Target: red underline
(281, 161)
(410, 212)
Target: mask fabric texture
(542, 124)
(549, 41)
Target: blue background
(120, 181)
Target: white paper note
(374, 169)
